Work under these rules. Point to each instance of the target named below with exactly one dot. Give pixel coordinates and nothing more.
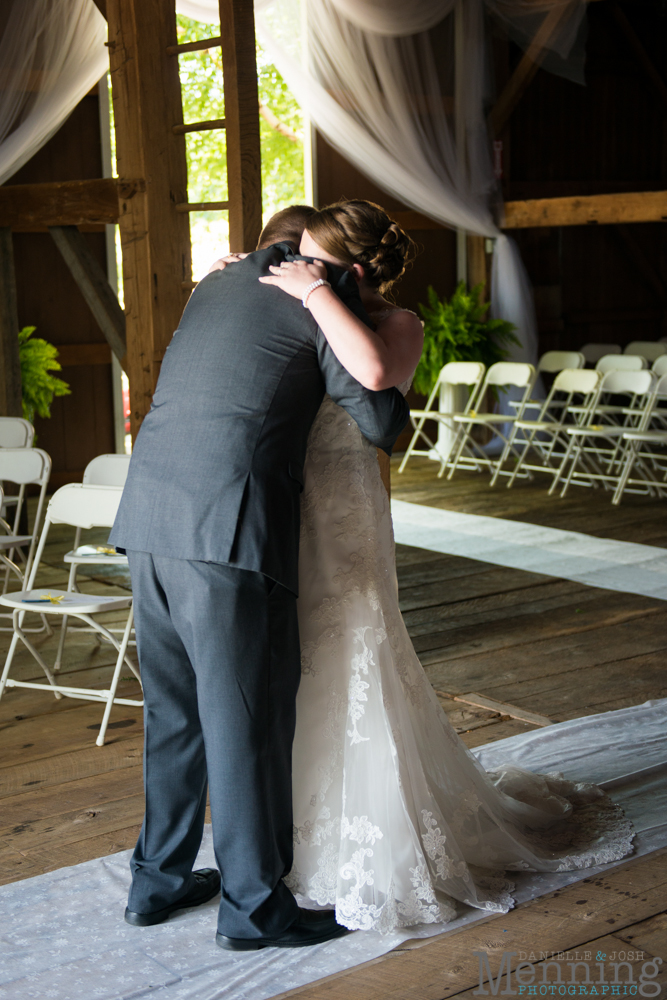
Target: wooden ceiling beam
(35, 207)
(530, 62)
(596, 209)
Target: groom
(210, 521)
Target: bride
(395, 821)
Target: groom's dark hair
(286, 226)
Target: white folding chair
(104, 470)
(25, 467)
(15, 432)
(550, 363)
(516, 374)
(82, 507)
(649, 349)
(659, 415)
(620, 363)
(456, 373)
(640, 450)
(582, 385)
(593, 352)
(594, 452)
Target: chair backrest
(84, 506)
(107, 470)
(517, 373)
(593, 352)
(462, 373)
(556, 361)
(577, 380)
(621, 363)
(647, 348)
(15, 432)
(659, 366)
(632, 383)
(25, 465)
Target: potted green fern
(457, 330)
(38, 359)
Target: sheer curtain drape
(406, 103)
(399, 88)
(51, 53)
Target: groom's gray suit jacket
(218, 465)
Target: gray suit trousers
(219, 654)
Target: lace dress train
(395, 820)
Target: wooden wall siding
(81, 425)
(607, 283)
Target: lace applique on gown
(395, 820)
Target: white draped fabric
(51, 53)
(400, 89)
(407, 105)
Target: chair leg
(503, 458)
(61, 645)
(116, 677)
(573, 464)
(8, 663)
(625, 474)
(31, 649)
(463, 434)
(561, 467)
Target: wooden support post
(10, 369)
(155, 238)
(94, 286)
(526, 70)
(477, 274)
(244, 178)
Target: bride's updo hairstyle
(360, 232)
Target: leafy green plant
(38, 386)
(456, 330)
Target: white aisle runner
(598, 562)
(62, 935)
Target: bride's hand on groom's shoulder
(294, 277)
(222, 262)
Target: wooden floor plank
(36, 861)
(72, 826)
(34, 739)
(507, 631)
(26, 808)
(45, 772)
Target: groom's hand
(222, 262)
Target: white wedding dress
(394, 819)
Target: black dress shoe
(207, 886)
(310, 927)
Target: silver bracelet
(311, 288)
